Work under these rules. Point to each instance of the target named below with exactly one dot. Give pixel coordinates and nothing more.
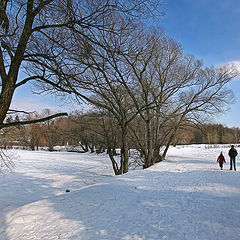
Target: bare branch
(13, 111)
(20, 123)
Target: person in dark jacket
(221, 160)
(232, 154)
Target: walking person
(232, 154)
(221, 160)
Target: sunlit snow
(186, 197)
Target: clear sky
(208, 29)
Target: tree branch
(13, 111)
(14, 124)
(2, 67)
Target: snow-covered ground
(185, 197)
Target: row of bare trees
(99, 52)
(98, 131)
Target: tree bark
(124, 150)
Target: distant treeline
(209, 134)
(93, 132)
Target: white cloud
(236, 64)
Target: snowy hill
(185, 197)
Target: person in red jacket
(221, 160)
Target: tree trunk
(156, 155)
(91, 146)
(149, 157)
(6, 97)
(124, 151)
(168, 144)
(114, 163)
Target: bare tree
(100, 79)
(158, 70)
(172, 89)
(134, 73)
(41, 36)
(37, 38)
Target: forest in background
(95, 132)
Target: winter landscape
(185, 197)
(151, 77)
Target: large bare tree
(41, 34)
(130, 72)
(175, 89)
(163, 86)
(38, 36)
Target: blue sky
(208, 29)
